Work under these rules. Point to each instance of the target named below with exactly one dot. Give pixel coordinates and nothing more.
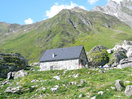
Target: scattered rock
(32, 69)
(128, 90)
(73, 83)
(127, 82)
(64, 72)
(129, 74)
(101, 71)
(100, 92)
(119, 85)
(13, 90)
(41, 89)
(44, 89)
(55, 88)
(18, 89)
(82, 82)
(56, 77)
(35, 64)
(112, 87)
(5, 82)
(106, 66)
(94, 97)
(34, 80)
(81, 95)
(35, 86)
(76, 75)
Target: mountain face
(68, 28)
(122, 10)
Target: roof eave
(59, 60)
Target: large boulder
(98, 56)
(128, 90)
(11, 62)
(119, 85)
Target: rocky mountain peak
(77, 9)
(122, 10)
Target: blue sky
(31, 11)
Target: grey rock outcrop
(119, 85)
(128, 90)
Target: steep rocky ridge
(122, 10)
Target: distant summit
(122, 10)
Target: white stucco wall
(59, 65)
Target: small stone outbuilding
(68, 58)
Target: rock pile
(121, 56)
(124, 51)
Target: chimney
(53, 55)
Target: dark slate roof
(61, 54)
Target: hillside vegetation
(68, 28)
(85, 82)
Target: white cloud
(92, 1)
(28, 21)
(56, 8)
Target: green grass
(95, 82)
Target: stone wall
(59, 65)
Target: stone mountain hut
(64, 58)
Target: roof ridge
(67, 47)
